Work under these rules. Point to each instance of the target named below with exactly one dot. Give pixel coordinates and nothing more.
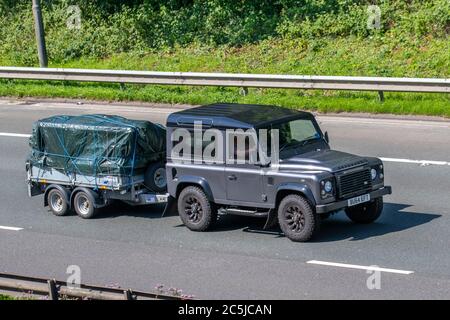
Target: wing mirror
(325, 136)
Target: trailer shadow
(119, 209)
(395, 218)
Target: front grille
(354, 183)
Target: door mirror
(325, 136)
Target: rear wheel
(84, 205)
(57, 203)
(195, 209)
(297, 218)
(366, 212)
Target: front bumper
(334, 206)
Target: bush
(114, 26)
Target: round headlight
(373, 174)
(328, 187)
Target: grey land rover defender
(309, 182)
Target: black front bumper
(334, 206)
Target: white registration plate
(357, 200)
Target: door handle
(232, 177)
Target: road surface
(136, 248)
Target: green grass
(323, 101)
(3, 297)
(346, 56)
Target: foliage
(325, 37)
(114, 26)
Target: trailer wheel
(155, 177)
(84, 205)
(57, 202)
(297, 218)
(195, 209)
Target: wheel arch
(185, 181)
(294, 188)
(94, 197)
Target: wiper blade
(298, 143)
(305, 142)
(289, 145)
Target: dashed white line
(421, 162)
(354, 266)
(386, 122)
(18, 135)
(10, 228)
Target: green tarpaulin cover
(96, 145)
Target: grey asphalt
(136, 248)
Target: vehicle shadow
(395, 218)
(118, 209)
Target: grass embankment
(3, 297)
(320, 40)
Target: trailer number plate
(150, 198)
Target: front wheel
(366, 212)
(297, 218)
(195, 209)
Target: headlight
(328, 187)
(373, 174)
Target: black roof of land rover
(229, 115)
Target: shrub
(114, 26)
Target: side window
(212, 146)
(205, 146)
(242, 147)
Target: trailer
(85, 194)
(85, 162)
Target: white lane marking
(421, 162)
(18, 135)
(105, 108)
(10, 228)
(405, 123)
(354, 266)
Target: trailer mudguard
(94, 197)
(64, 191)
